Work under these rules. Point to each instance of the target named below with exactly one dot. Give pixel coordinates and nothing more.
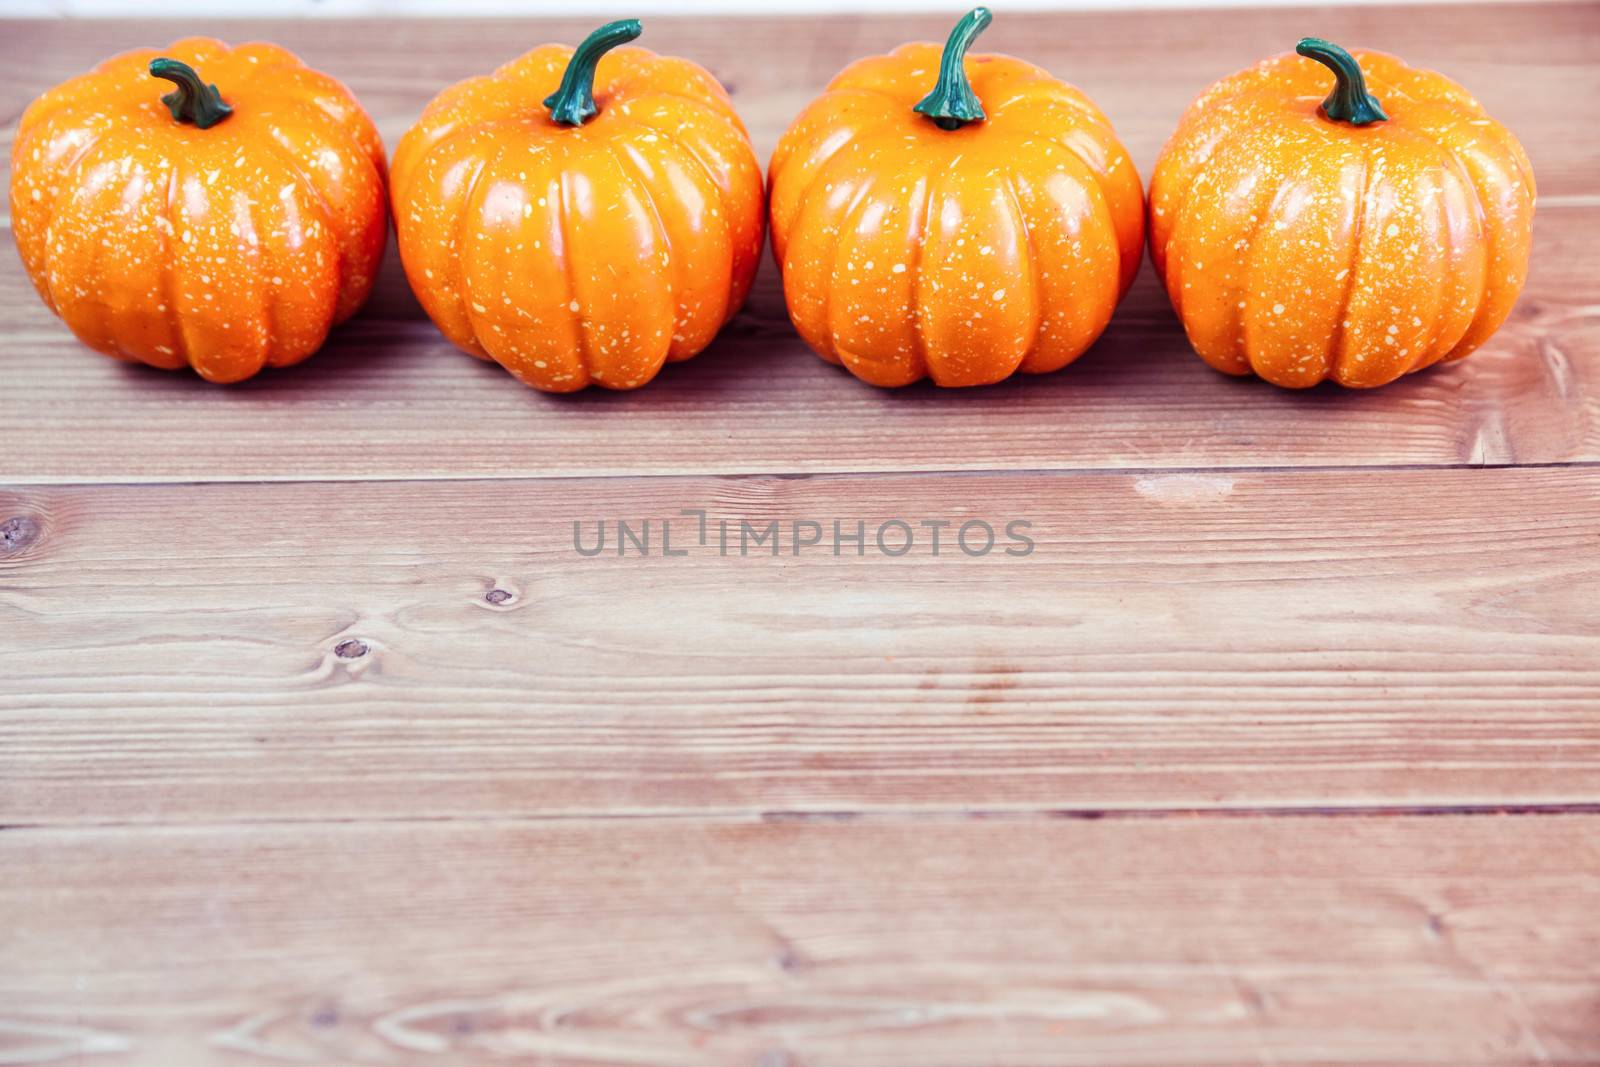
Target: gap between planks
(787, 474)
(732, 816)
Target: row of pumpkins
(581, 216)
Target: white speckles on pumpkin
(618, 232)
(181, 253)
(1374, 233)
(984, 262)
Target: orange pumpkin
(593, 238)
(1358, 237)
(987, 227)
(226, 225)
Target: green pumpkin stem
(953, 104)
(193, 100)
(1349, 102)
(573, 103)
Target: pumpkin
(224, 226)
(589, 239)
(963, 234)
(1355, 235)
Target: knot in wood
(351, 648)
(17, 533)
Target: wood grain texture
(320, 743)
(1045, 942)
(389, 398)
(344, 650)
(1530, 64)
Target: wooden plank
(1046, 942)
(390, 399)
(1143, 69)
(340, 650)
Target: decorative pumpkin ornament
(1358, 237)
(225, 225)
(616, 227)
(963, 234)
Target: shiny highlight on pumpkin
(222, 235)
(590, 239)
(930, 236)
(1307, 237)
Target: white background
(604, 8)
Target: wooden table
(320, 743)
